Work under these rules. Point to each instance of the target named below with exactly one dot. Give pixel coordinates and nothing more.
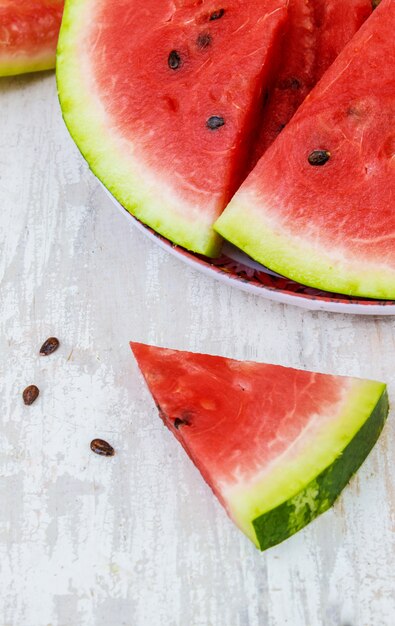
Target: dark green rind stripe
(285, 520)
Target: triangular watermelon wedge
(319, 206)
(276, 445)
(163, 98)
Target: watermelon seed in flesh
(178, 422)
(217, 15)
(276, 445)
(214, 122)
(290, 83)
(203, 41)
(319, 157)
(174, 60)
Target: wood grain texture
(138, 539)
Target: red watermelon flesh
(317, 31)
(336, 23)
(263, 436)
(29, 32)
(163, 100)
(330, 223)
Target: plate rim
(305, 301)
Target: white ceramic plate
(237, 269)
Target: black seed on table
(30, 394)
(174, 60)
(319, 157)
(217, 15)
(214, 122)
(99, 446)
(204, 40)
(49, 346)
(179, 422)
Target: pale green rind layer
(109, 156)
(319, 495)
(298, 481)
(22, 64)
(247, 224)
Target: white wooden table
(138, 539)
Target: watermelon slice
(317, 31)
(276, 445)
(162, 98)
(29, 32)
(319, 206)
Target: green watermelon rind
(259, 218)
(272, 497)
(319, 495)
(246, 224)
(109, 157)
(304, 482)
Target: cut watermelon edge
(295, 257)
(237, 273)
(319, 492)
(29, 35)
(306, 479)
(148, 199)
(111, 160)
(26, 63)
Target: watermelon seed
(290, 83)
(214, 122)
(99, 446)
(217, 15)
(179, 422)
(204, 40)
(49, 346)
(319, 157)
(174, 60)
(30, 394)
